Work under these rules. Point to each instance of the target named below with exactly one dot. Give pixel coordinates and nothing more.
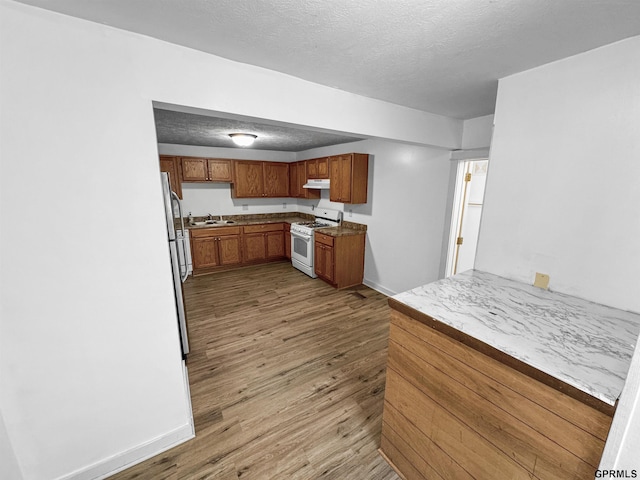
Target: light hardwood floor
(287, 380)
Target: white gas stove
(302, 239)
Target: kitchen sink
(213, 223)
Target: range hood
(322, 184)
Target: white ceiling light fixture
(243, 139)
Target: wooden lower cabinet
(324, 263)
(215, 247)
(263, 242)
(339, 260)
(451, 411)
(287, 240)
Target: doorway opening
(468, 199)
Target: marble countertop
(583, 344)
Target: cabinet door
(254, 247)
(287, 241)
(248, 179)
(329, 263)
(323, 262)
(204, 252)
(275, 244)
(318, 259)
(323, 167)
(312, 168)
(294, 184)
(219, 170)
(229, 250)
(302, 179)
(170, 166)
(340, 175)
(194, 169)
(276, 179)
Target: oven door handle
(304, 237)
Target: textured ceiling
(191, 129)
(440, 56)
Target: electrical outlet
(284, 204)
(245, 207)
(350, 213)
(541, 281)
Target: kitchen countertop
(583, 344)
(347, 228)
(340, 231)
(251, 221)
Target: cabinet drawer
(264, 227)
(324, 239)
(214, 231)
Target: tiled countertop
(583, 344)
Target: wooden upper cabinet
(260, 179)
(318, 168)
(276, 179)
(196, 169)
(170, 165)
(349, 175)
(297, 178)
(323, 168)
(249, 179)
(220, 170)
(294, 185)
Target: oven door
(302, 253)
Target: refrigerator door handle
(184, 277)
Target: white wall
(91, 363)
(476, 132)
(90, 355)
(9, 468)
(562, 192)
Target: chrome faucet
(209, 216)
(220, 217)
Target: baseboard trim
(378, 288)
(112, 465)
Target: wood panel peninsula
(491, 378)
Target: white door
(471, 197)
